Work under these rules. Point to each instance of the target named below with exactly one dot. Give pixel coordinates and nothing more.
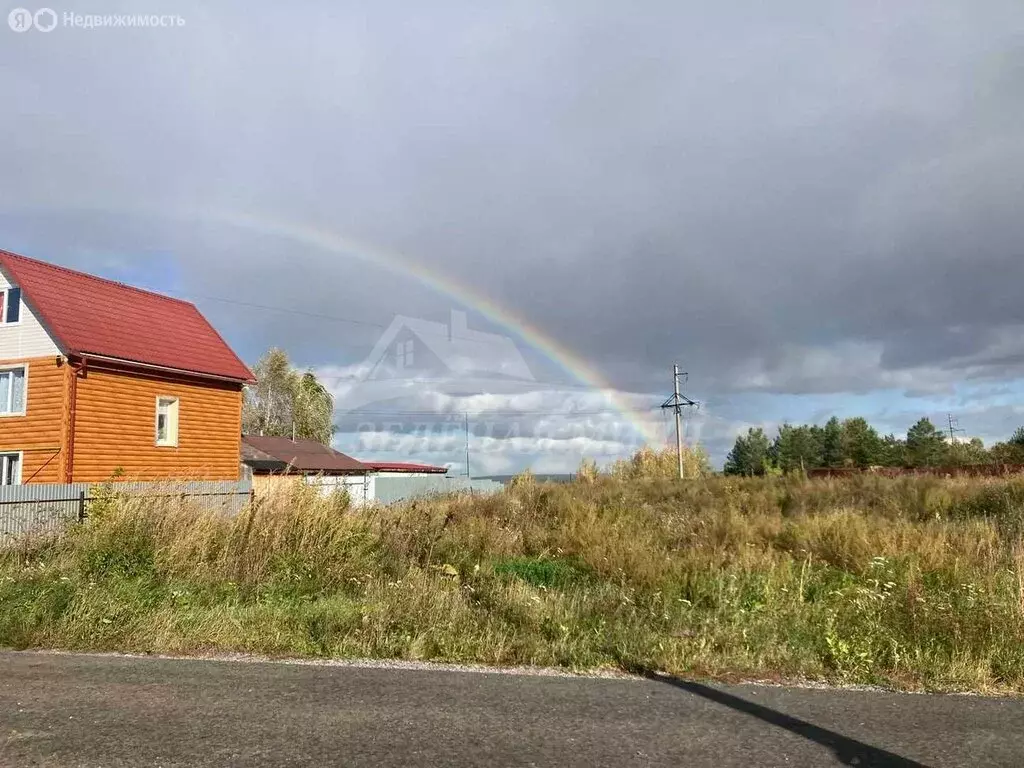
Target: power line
(286, 310)
(448, 334)
(457, 414)
(370, 324)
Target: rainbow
(452, 288)
(588, 376)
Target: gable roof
(89, 315)
(279, 454)
(461, 349)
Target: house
(275, 462)
(415, 348)
(97, 377)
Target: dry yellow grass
(907, 582)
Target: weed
(908, 582)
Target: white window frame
(4, 458)
(10, 392)
(21, 310)
(172, 428)
(410, 346)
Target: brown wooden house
(97, 377)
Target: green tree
(1010, 452)
(796, 448)
(972, 452)
(893, 452)
(832, 443)
(862, 446)
(313, 410)
(926, 446)
(285, 403)
(749, 455)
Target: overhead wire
(372, 324)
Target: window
(167, 421)
(12, 391)
(10, 469)
(403, 354)
(10, 305)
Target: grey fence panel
(46, 508)
(388, 490)
(216, 495)
(38, 508)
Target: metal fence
(45, 508)
(965, 470)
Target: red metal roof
(89, 315)
(401, 466)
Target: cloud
(797, 201)
(513, 425)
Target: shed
(278, 461)
(405, 469)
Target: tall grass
(905, 582)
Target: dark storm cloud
(774, 195)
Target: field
(912, 583)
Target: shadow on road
(847, 751)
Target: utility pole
(676, 403)
(468, 476)
(679, 419)
(954, 427)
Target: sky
(813, 207)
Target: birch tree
(287, 403)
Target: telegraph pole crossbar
(677, 402)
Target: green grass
(909, 582)
(542, 572)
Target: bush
(648, 464)
(907, 582)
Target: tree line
(855, 443)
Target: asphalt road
(65, 710)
